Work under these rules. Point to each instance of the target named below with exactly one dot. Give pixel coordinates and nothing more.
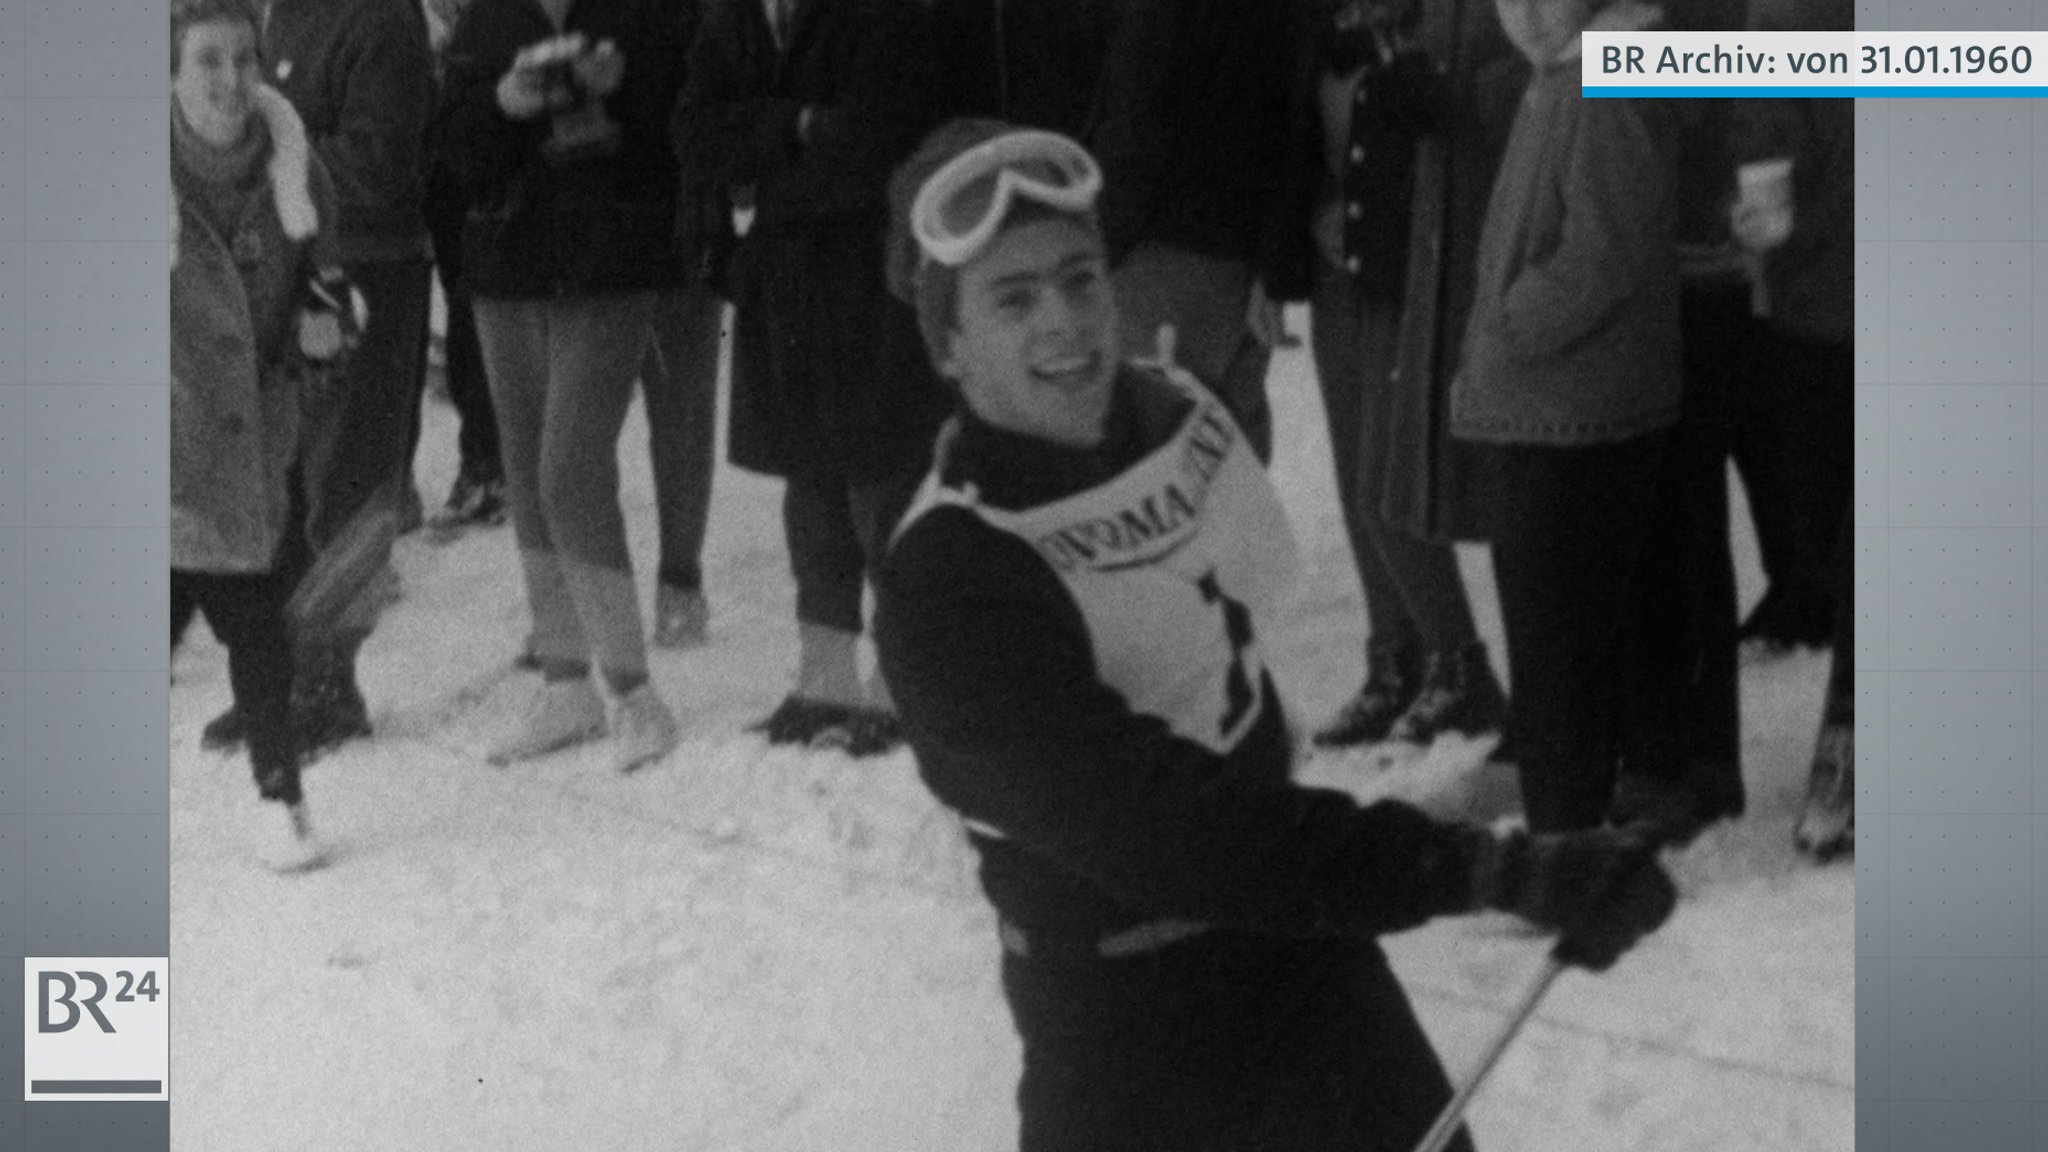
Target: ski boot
(1459, 694)
(1392, 679)
(1827, 826)
(643, 729)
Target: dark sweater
(1108, 819)
(1191, 126)
(1028, 62)
(592, 225)
(359, 74)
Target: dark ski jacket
(1093, 817)
(538, 228)
(361, 76)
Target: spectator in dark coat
(360, 74)
(1372, 90)
(787, 132)
(1192, 111)
(1032, 63)
(569, 252)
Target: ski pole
(1439, 1136)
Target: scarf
(221, 180)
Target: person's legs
(1571, 521)
(829, 564)
(1224, 1043)
(1351, 343)
(877, 507)
(355, 458)
(478, 494)
(1671, 781)
(1682, 758)
(183, 608)
(514, 337)
(1827, 825)
(359, 436)
(247, 613)
(1205, 300)
(1818, 380)
(680, 381)
(595, 346)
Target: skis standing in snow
(249, 338)
(1070, 617)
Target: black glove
(1601, 890)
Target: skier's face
(1033, 346)
(216, 70)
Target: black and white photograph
(1056, 575)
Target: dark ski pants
(1841, 700)
(838, 531)
(469, 389)
(680, 382)
(1414, 595)
(1225, 1043)
(1794, 443)
(1722, 348)
(247, 613)
(1598, 643)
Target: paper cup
(1767, 183)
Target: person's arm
(996, 684)
(1618, 194)
(812, 161)
(375, 148)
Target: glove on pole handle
(1446, 1126)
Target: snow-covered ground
(767, 951)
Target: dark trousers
(469, 390)
(1414, 595)
(355, 443)
(247, 613)
(837, 532)
(1223, 1044)
(1841, 701)
(680, 382)
(1597, 643)
(1689, 553)
(1794, 443)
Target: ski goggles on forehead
(961, 206)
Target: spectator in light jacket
(1572, 373)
